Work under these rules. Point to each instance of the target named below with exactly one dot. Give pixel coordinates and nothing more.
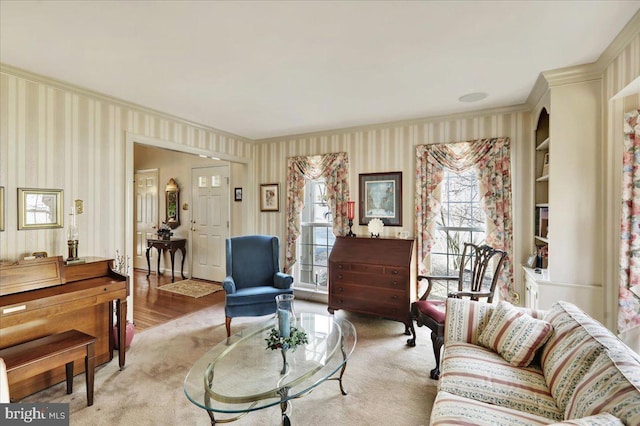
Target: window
(316, 238)
(461, 220)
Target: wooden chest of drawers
(375, 276)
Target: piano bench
(46, 353)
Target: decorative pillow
(514, 334)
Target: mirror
(172, 202)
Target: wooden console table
(172, 245)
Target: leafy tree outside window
(461, 220)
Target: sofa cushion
(515, 335)
(603, 419)
(611, 385)
(478, 373)
(450, 409)
(570, 351)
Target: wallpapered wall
(56, 136)
(622, 71)
(389, 148)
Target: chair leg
(227, 323)
(437, 341)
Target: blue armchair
(253, 277)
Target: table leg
(184, 254)
(148, 263)
(159, 256)
(284, 405)
(172, 254)
(344, 366)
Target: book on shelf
(545, 165)
(542, 222)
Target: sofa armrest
(465, 319)
(282, 281)
(229, 285)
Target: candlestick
(350, 215)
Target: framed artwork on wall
(40, 208)
(270, 197)
(381, 197)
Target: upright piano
(44, 296)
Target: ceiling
(272, 68)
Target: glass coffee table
(241, 375)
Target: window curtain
(491, 160)
(629, 293)
(335, 170)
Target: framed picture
(237, 194)
(1, 208)
(381, 197)
(40, 208)
(40, 254)
(531, 260)
(269, 197)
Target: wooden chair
(475, 262)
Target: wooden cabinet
(375, 276)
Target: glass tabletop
(243, 375)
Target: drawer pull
(340, 266)
(14, 309)
(340, 289)
(339, 276)
(395, 283)
(394, 272)
(394, 297)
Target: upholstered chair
(472, 282)
(253, 277)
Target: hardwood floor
(152, 306)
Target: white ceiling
(271, 68)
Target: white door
(210, 221)
(146, 214)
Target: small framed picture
(270, 197)
(39, 254)
(39, 208)
(237, 194)
(531, 260)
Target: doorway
(210, 221)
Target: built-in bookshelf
(542, 163)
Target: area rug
(191, 288)
(387, 381)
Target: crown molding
(537, 92)
(575, 74)
(63, 85)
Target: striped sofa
(582, 375)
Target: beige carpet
(387, 382)
(191, 288)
